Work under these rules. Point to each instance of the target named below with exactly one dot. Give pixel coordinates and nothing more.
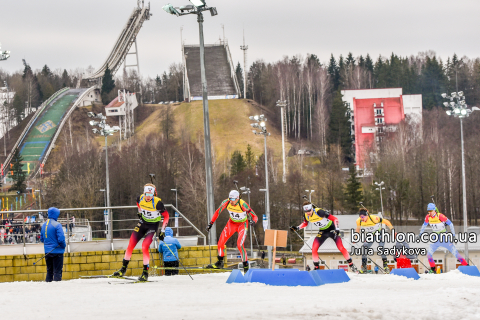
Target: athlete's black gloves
(251, 222)
(294, 228)
(209, 226)
(161, 235)
(335, 233)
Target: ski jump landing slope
(39, 136)
(221, 79)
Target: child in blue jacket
(168, 248)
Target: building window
(379, 112)
(379, 120)
(380, 130)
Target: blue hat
(53, 213)
(431, 206)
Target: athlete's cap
(363, 212)
(233, 195)
(307, 207)
(431, 206)
(149, 191)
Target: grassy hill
(229, 126)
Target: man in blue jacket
(168, 248)
(53, 239)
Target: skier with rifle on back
(150, 211)
(240, 212)
(328, 228)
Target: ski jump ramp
(222, 82)
(38, 139)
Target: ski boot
(385, 266)
(245, 266)
(364, 266)
(316, 266)
(121, 273)
(432, 270)
(216, 265)
(144, 276)
(352, 266)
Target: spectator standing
(54, 245)
(284, 259)
(84, 238)
(376, 269)
(168, 248)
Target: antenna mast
(244, 48)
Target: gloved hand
(210, 224)
(251, 222)
(335, 233)
(161, 235)
(294, 228)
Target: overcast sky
(75, 34)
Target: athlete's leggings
(142, 228)
(228, 231)
(320, 239)
(447, 245)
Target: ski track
(450, 295)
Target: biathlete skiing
(328, 228)
(439, 222)
(371, 223)
(150, 211)
(240, 212)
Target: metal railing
(68, 221)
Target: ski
(108, 277)
(131, 282)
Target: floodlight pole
(267, 204)
(464, 187)
(110, 220)
(206, 127)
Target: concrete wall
(17, 268)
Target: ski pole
(178, 259)
(255, 235)
(383, 270)
(323, 262)
(46, 254)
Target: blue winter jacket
(52, 234)
(171, 243)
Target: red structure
(373, 118)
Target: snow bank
(450, 295)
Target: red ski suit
(238, 222)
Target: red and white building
(376, 114)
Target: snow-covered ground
(445, 296)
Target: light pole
(310, 194)
(260, 124)
(244, 48)
(104, 130)
(105, 211)
(247, 192)
(199, 6)
(459, 110)
(380, 188)
(282, 104)
(176, 197)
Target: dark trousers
(54, 263)
(170, 264)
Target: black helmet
(363, 212)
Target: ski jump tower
(127, 38)
(220, 72)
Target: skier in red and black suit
(328, 228)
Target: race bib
(322, 223)
(437, 227)
(372, 228)
(150, 214)
(237, 216)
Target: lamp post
(198, 7)
(459, 110)
(247, 192)
(310, 194)
(282, 104)
(259, 123)
(380, 188)
(105, 211)
(104, 130)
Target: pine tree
(239, 75)
(333, 72)
(18, 176)
(237, 163)
(108, 84)
(249, 157)
(353, 192)
(340, 126)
